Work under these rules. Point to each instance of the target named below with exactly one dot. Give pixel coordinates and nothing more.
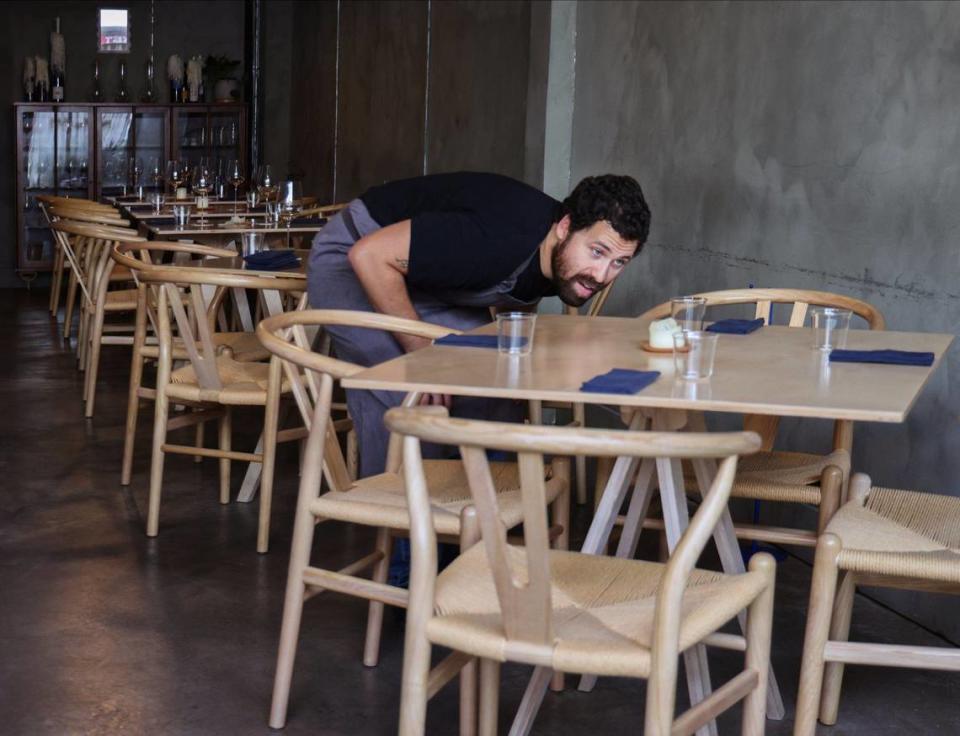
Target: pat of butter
(662, 332)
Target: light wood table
(774, 371)
(272, 301)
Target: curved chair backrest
(801, 299)
(312, 375)
(522, 578)
(175, 286)
(54, 200)
(80, 214)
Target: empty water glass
(693, 354)
(252, 242)
(252, 199)
(181, 215)
(156, 202)
(830, 325)
(688, 311)
(515, 332)
(273, 213)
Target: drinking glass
(266, 182)
(688, 311)
(156, 202)
(134, 172)
(155, 172)
(252, 242)
(236, 179)
(273, 214)
(693, 354)
(181, 215)
(515, 332)
(253, 199)
(830, 326)
(202, 184)
(291, 202)
(174, 176)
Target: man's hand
(435, 400)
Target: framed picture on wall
(113, 31)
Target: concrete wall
(388, 90)
(185, 27)
(806, 144)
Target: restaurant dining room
(480, 366)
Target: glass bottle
(122, 94)
(97, 94)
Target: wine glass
(155, 172)
(174, 175)
(202, 183)
(236, 179)
(291, 202)
(134, 172)
(266, 183)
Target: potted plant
(222, 71)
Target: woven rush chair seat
(243, 383)
(602, 608)
(901, 534)
(121, 300)
(381, 500)
(244, 347)
(882, 537)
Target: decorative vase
(226, 90)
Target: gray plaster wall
(794, 144)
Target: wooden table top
(774, 371)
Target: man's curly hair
(615, 199)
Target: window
(114, 31)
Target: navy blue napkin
(272, 260)
(889, 357)
(736, 326)
(163, 222)
(620, 381)
(468, 341)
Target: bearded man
(446, 248)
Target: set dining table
(774, 371)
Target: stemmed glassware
(175, 175)
(155, 172)
(202, 184)
(134, 172)
(266, 183)
(236, 179)
(291, 202)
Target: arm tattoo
(403, 263)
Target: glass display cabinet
(102, 150)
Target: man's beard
(564, 282)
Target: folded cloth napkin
(620, 381)
(272, 260)
(468, 341)
(891, 357)
(736, 326)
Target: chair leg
(161, 409)
(561, 516)
(133, 413)
(839, 631)
(353, 454)
(822, 593)
(198, 439)
(604, 468)
(93, 362)
(83, 324)
(371, 646)
(580, 417)
(489, 696)
(56, 281)
(831, 488)
(226, 429)
(469, 535)
(68, 306)
(758, 634)
(271, 424)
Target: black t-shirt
(468, 231)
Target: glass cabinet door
(191, 135)
(226, 138)
(115, 131)
(73, 153)
(150, 136)
(37, 163)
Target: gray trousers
(332, 284)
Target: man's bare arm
(381, 260)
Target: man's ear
(562, 227)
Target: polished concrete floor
(103, 631)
